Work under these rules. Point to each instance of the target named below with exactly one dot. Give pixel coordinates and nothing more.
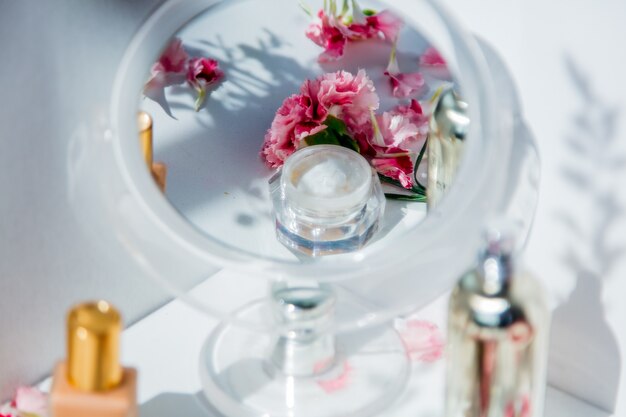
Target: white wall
(58, 60)
(569, 62)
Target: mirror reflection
(322, 128)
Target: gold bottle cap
(93, 346)
(145, 136)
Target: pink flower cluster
(333, 31)
(390, 141)
(175, 67)
(28, 401)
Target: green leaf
(369, 12)
(336, 133)
(337, 125)
(417, 188)
(322, 138)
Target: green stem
(405, 197)
(418, 162)
(417, 189)
(307, 9)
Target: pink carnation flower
(402, 85)
(202, 73)
(325, 32)
(170, 67)
(432, 58)
(349, 97)
(340, 94)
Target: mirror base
(369, 371)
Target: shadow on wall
(171, 404)
(585, 356)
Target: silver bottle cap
(495, 262)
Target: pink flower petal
(348, 96)
(432, 58)
(423, 340)
(340, 94)
(338, 381)
(413, 114)
(324, 32)
(398, 167)
(279, 140)
(405, 85)
(31, 401)
(404, 127)
(169, 69)
(174, 57)
(386, 23)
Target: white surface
(165, 347)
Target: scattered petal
(174, 57)
(402, 85)
(397, 165)
(405, 85)
(169, 69)
(29, 400)
(325, 33)
(423, 340)
(387, 23)
(337, 380)
(432, 58)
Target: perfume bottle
(157, 169)
(448, 128)
(497, 334)
(91, 381)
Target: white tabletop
(165, 348)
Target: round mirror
(338, 159)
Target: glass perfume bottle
(449, 125)
(497, 331)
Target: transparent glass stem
(305, 345)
